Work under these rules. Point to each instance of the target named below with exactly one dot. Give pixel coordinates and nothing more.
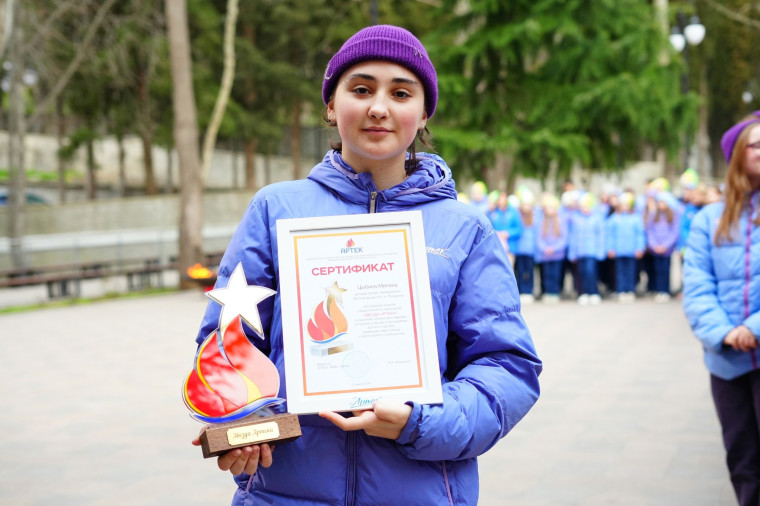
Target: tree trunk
(92, 182)
(235, 163)
(150, 179)
(295, 141)
(144, 128)
(703, 138)
(17, 131)
(185, 139)
(661, 17)
(169, 171)
(250, 163)
(122, 166)
(60, 132)
(228, 76)
(504, 164)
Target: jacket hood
(431, 181)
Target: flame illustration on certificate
(327, 328)
(358, 316)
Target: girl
(586, 248)
(526, 246)
(625, 241)
(506, 221)
(380, 89)
(722, 303)
(551, 248)
(662, 231)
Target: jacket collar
(431, 181)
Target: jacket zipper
(747, 249)
(351, 471)
(351, 436)
(446, 482)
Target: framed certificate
(357, 313)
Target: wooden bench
(143, 273)
(64, 280)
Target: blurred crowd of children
(617, 245)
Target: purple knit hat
(729, 138)
(384, 42)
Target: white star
(239, 298)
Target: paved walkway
(92, 412)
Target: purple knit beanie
(384, 42)
(729, 138)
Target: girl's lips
(376, 130)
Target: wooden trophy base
(220, 438)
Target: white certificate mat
(357, 314)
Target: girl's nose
(379, 108)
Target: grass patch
(39, 176)
(81, 301)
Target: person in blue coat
(526, 246)
(380, 90)
(625, 240)
(721, 300)
(662, 227)
(586, 248)
(551, 248)
(505, 219)
(690, 203)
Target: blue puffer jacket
(722, 288)
(527, 243)
(586, 237)
(489, 368)
(507, 220)
(624, 234)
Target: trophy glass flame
(233, 386)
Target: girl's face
(379, 107)
(661, 205)
(752, 156)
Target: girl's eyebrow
(370, 77)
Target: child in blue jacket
(586, 248)
(662, 226)
(380, 89)
(551, 248)
(526, 246)
(625, 239)
(506, 221)
(722, 303)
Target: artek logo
(350, 247)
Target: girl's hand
(741, 339)
(386, 419)
(245, 459)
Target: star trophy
(233, 386)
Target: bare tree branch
(732, 14)
(44, 29)
(82, 51)
(224, 92)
